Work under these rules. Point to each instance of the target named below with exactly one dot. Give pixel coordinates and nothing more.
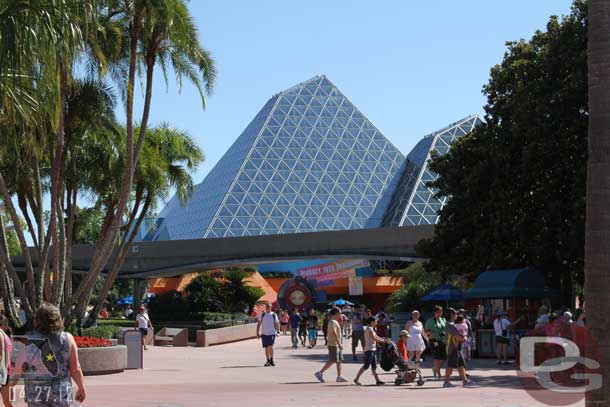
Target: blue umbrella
(342, 302)
(126, 300)
(446, 292)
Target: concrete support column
(139, 288)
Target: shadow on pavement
(239, 367)
(312, 382)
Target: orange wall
(275, 282)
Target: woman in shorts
(370, 355)
(284, 319)
(501, 325)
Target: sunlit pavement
(233, 375)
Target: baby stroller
(406, 373)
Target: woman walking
(57, 358)
(370, 356)
(415, 341)
(501, 325)
(6, 349)
(284, 320)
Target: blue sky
(411, 67)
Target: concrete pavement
(233, 375)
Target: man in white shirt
(270, 324)
(143, 322)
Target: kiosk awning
(515, 283)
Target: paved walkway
(232, 375)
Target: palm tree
(38, 42)
(167, 162)
(597, 238)
(158, 33)
(237, 295)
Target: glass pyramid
(413, 202)
(309, 161)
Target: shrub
(107, 331)
(123, 323)
(203, 294)
(171, 301)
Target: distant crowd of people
(449, 336)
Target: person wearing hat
(401, 344)
(501, 325)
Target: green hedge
(195, 317)
(100, 331)
(125, 323)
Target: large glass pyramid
(309, 161)
(414, 202)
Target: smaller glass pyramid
(414, 202)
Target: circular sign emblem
(296, 293)
(297, 297)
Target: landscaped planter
(106, 360)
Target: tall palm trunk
(597, 236)
(105, 244)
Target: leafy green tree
(168, 302)
(517, 182)
(417, 282)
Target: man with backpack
(270, 326)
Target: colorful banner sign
(327, 269)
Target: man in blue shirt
(295, 319)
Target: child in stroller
(406, 373)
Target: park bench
(172, 336)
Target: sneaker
(319, 376)
(271, 363)
(357, 383)
(341, 379)
(448, 384)
(379, 383)
(268, 363)
(467, 383)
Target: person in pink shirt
(6, 350)
(284, 320)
